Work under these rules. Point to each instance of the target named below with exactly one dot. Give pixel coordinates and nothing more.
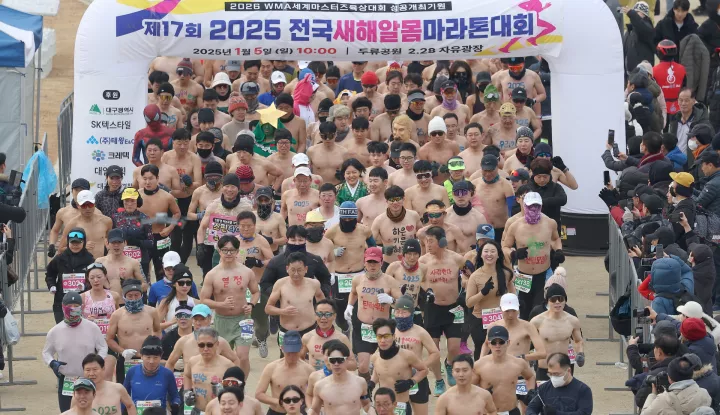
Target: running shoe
(450, 378)
(263, 348)
(464, 349)
(439, 387)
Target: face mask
(322, 119)
(557, 381)
(212, 185)
(348, 226)
(461, 78)
(404, 323)
(315, 235)
(533, 214)
(295, 248)
(72, 315)
(134, 306)
(264, 211)
(204, 153)
(693, 145)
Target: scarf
(413, 115)
(450, 104)
(72, 315)
(325, 334)
(700, 149)
(410, 268)
(148, 373)
(491, 181)
(340, 135)
(231, 204)
(288, 118)
(397, 218)
(252, 106)
(151, 192)
(649, 158)
(522, 158)
(462, 211)
(390, 352)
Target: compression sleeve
(370, 241)
(510, 201)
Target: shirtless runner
(83, 397)
(435, 211)
(187, 90)
(451, 104)
(343, 392)
(119, 265)
(463, 215)
(109, 396)
(381, 127)
(497, 193)
(203, 370)
(392, 228)
(464, 394)
(297, 202)
(270, 224)
(234, 379)
(266, 173)
(410, 274)
(418, 196)
(438, 148)
(97, 226)
(373, 205)
(472, 155)
(168, 175)
(314, 341)
(517, 75)
(327, 156)
(405, 178)
(66, 214)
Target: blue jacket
(266, 99)
(348, 82)
(709, 196)
(670, 276)
(161, 387)
(705, 349)
(678, 158)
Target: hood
(666, 274)
(654, 88)
(78, 229)
(702, 372)
(701, 253)
(647, 95)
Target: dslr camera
(642, 315)
(660, 381)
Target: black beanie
(392, 102)
(152, 346)
(682, 190)
(231, 179)
(206, 115)
(325, 105)
(213, 167)
(235, 372)
(411, 245)
(244, 142)
(284, 99)
(554, 290)
(680, 369)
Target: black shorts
(423, 393)
(418, 318)
(439, 320)
(358, 344)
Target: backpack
(680, 298)
(707, 227)
(621, 314)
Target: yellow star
(270, 115)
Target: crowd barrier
(65, 130)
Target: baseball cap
(183, 309)
(532, 198)
(483, 76)
(304, 171)
(170, 259)
(683, 178)
(232, 66)
(447, 84)
(691, 309)
(84, 383)
(85, 196)
(518, 175)
(405, 302)
(461, 185)
(300, 159)
(114, 171)
(116, 235)
(519, 93)
(395, 149)
(415, 95)
(509, 301)
(314, 217)
(710, 157)
(249, 88)
(72, 297)
(292, 342)
(201, 310)
(374, 254)
(484, 231)
(81, 184)
(265, 191)
(498, 332)
(489, 162)
(129, 193)
(507, 109)
(278, 77)
(652, 202)
(456, 163)
(639, 190)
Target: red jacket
(671, 77)
(644, 289)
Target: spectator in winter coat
(672, 152)
(666, 237)
(679, 198)
(665, 349)
(670, 276)
(691, 309)
(694, 334)
(706, 378)
(709, 196)
(659, 176)
(701, 260)
(677, 23)
(651, 147)
(638, 43)
(709, 33)
(691, 114)
(681, 397)
(695, 58)
(699, 140)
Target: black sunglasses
(185, 283)
(336, 360)
(497, 342)
(294, 399)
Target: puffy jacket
(638, 43)
(695, 169)
(630, 178)
(704, 273)
(553, 198)
(685, 395)
(709, 33)
(709, 196)
(678, 158)
(667, 29)
(644, 390)
(700, 115)
(66, 262)
(707, 379)
(705, 349)
(695, 58)
(659, 106)
(670, 276)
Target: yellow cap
(683, 179)
(129, 193)
(507, 109)
(314, 217)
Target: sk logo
(95, 110)
(92, 140)
(98, 155)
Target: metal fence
(65, 130)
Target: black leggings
(181, 240)
(478, 333)
(536, 296)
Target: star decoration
(270, 115)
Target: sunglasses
(95, 265)
(492, 96)
(421, 176)
(166, 98)
(76, 235)
(183, 316)
(283, 143)
(336, 360)
(461, 193)
(556, 299)
(395, 199)
(326, 314)
(288, 401)
(87, 205)
(327, 136)
(456, 163)
(229, 383)
(435, 215)
(388, 336)
(543, 155)
(183, 71)
(392, 112)
(369, 86)
(497, 342)
(208, 345)
(228, 251)
(185, 283)
(436, 133)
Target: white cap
(691, 309)
(303, 64)
(221, 78)
(277, 77)
(304, 171)
(437, 124)
(532, 198)
(85, 196)
(300, 159)
(509, 301)
(170, 259)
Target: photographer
(665, 348)
(706, 378)
(649, 212)
(683, 394)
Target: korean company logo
(98, 155)
(95, 110)
(92, 140)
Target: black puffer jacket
(704, 275)
(707, 379)
(67, 262)
(553, 198)
(638, 43)
(667, 29)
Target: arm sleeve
(644, 289)
(48, 352)
(370, 241)
(268, 278)
(510, 202)
(611, 163)
(644, 28)
(100, 342)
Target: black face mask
(461, 78)
(290, 248)
(231, 204)
(389, 353)
(204, 153)
(151, 192)
(348, 226)
(315, 235)
(265, 210)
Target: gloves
(55, 366)
(51, 250)
(530, 102)
(627, 216)
(332, 278)
(189, 398)
(559, 256)
(489, 285)
(339, 251)
(549, 410)
(200, 254)
(470, 266)
(53, 289)
(388, 250)
(404, 385)
(531, 394)
(252, 262)
(557, 161)
(425, 219)
(385, 298)
(430, 296)
(268, 238)
(200, 215)
(580, 359)
(348, 313)
(129, 353)
(370, 387)
(521, 253)
(186, 179)
(609, 197)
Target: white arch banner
(117, 39)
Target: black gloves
(559, 256)
(404, 385)
(430, 296)
(252, 262)
(388, 250)
(186, 180)
(55, 366)
(580, 359)
(200, 254)
(470, 266)
(558, 162)
(489, 285)
(531, 394)
(520, 253)
(610, 197)
(51, 250)
(174, 409)
(370, 387)
(268, 238)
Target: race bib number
(179, 380)
(67, 388)
(523, 282)
(131, 363)
(415, 389)
(143, 405)
(344, 283)
(521, 387)
(571, 353)
(132, 252)
(187, 410)
(163, 244)
(103, 324)
(246, 329)
(367, 334)
(220, 225)
(458, 315)
(73, 282)
(491, 315)
(281, 338)
(400, 408)
(248, 296)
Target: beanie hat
(665, 327)
(325, 105)
(348, 210)
(392, 102)
(152, 346)
(693, 329)
(234, 372)
(244, 142)
(702, 132)
(369, 78)
(244, 174)
(237, 101)
(680, 369)
(185, 64)
(541, 148)
(411, 245)
(436, 124)
(558, 277)
(206, 115)
(231, 180)
(643, 7)
(213, 167)
(166, 88)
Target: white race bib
(163, 243)
(67, 388)
(459, 315)
(367, 333)
(73, 282)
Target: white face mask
(693, 145)
(557, 381)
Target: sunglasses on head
(208, 345)
(492, 96)
(294, 399)
(95, 265)
(229, 383)
(185, 283)
(336, 360)
(436, 133)
(456, 164)
(461, 193)
(497, 342)
(420, 176)
(556, 299)
(395, 199)
(326, 314)
(76, 235)
(435, 215)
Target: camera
(11, 193)
(642, 315)
(660, 381)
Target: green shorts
(237, 330)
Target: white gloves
(332, 279)
(348, 313)
(385, 298)
(53, 289)
(129, 353)
(339, 251)
(627, 216)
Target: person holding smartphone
(680, 200)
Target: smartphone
(611, 137)
(674, 217)
(606, 177)
(659, 251)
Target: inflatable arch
(117, 40)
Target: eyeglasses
(228, 251)
(288, 401)
(283, 143)
(93, 266)
(456, 163)
(461, 193)
(395, 200)
(543, 155)
(76, 235)
(497, 342)
(229, 383)
(556, 299)
(435, 215)
(185, 283)
(209, 345)
(436, 133)
(407, 158)
(183, 316)
(387, 336)
(327, 136)
(336, 360)
(427, 175)
(326, 314)
(87, 205)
